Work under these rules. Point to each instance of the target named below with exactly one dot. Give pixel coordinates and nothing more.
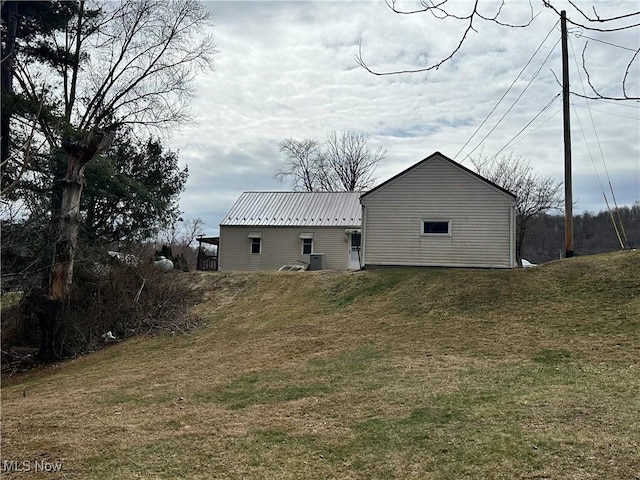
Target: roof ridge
(293, 191)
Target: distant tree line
(594, 233)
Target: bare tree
(467, 15)
(181, 233)
(342, 162)
(349, 164)
(192, 229)
(535, 194)
(121, 63)
(300, 163)
(23, 156)
(175, 242)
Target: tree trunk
(52, 320)
(6, 77)
(50, 314)
(66, 243)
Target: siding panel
(280, 245)
(480, 215)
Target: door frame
(351, 265)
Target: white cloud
(287, 69)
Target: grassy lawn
(425, 374)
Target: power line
(606, 43)
(606, 201)
(535, 75)
(555, 97)
(507, 91)
(608, 113)
(595, 131)
(538, 127)
(618, 104)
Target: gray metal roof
(318, 209)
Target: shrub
(123, 299)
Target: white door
(355, 254)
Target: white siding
(481, 218)
(280, 245)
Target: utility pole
(568, 187)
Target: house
(438, 213)
(265, 230)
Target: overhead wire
(617, 104)
(613, 195)
(555, 97)
(595, 130)
(535, 75)
(538, 127)
(609, 113)
(580, 35)
(606, 201)
(505, 93)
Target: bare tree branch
(439, 11)
(349, 164)
(626, 76)
(150, 58)
(301, 163)
(443, 10)
(549, 4)
(597, 93)
(342, 162)
(27, 153)
(535, 194)
(597, 17)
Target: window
(307, 246)
(256, 244)
(307, 243)
(431, 227)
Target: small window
(307, 246)
(430, 227)
(256, 245)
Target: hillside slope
(412, 373)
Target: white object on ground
(164, 264)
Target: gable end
(451, 162)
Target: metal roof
(289, 209)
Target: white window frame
(253, 239)
(434, 234)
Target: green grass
(265, 388)
(426, 374)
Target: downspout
(219, 269)
(512, 235)
(361, 253)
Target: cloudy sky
(288, 70)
